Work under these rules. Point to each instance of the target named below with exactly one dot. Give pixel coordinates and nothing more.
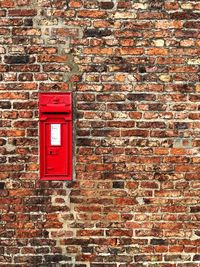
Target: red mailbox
(55, 111)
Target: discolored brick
(22, 59)
(5, 105)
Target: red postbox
(55, 111)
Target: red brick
(171, 6)
(90, 233)
(7, 4)
(91, 14)
(25, 31)
(169, 24)
(119, 232)
(157, 51)
(98, 51)
(22, 12)
(66, 32)
(131, 51)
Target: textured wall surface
(133, 68)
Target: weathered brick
(106, 5)
(91, 14)
(169, 24)
(22, 12)
(125, 15)
(5, 105)
(157, 51)
(65, 32)
(133, 69)
(22, 59)
(98, 51)
(26, 32)
(7, 4)
(131, 51)
(196, 257)
(97, 33)
(2, 185)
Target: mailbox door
(56, 149)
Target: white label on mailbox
(55, 135)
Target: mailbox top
(55, 102)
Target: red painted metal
(55, 112)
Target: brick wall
(133, 67)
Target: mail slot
(55, 112)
